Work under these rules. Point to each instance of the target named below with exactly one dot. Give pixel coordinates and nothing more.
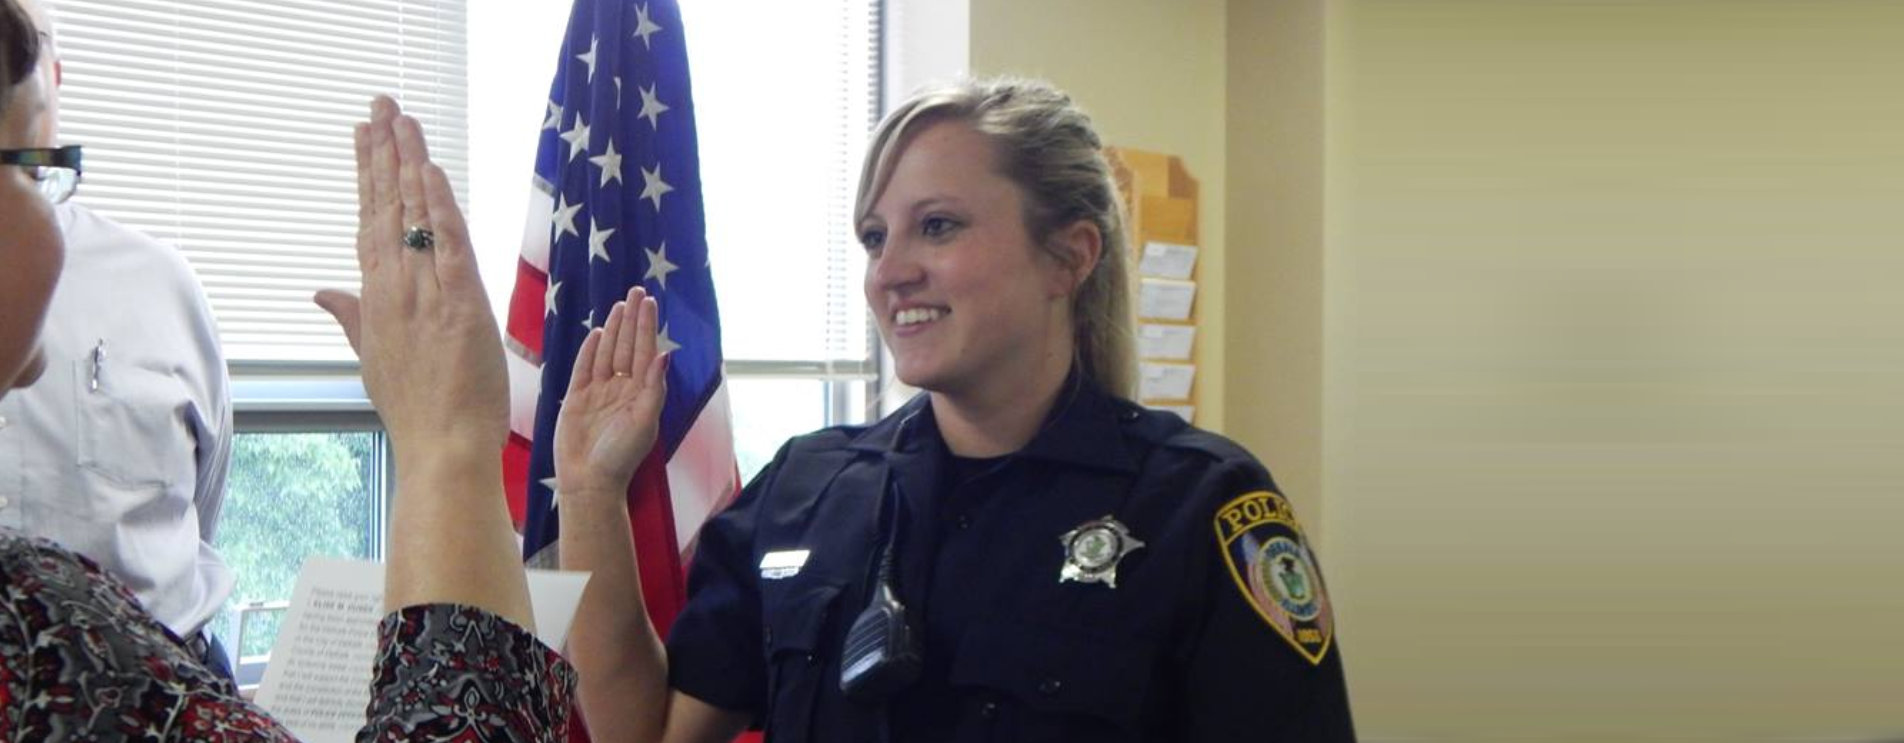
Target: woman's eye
(937, 226)
(872, 239)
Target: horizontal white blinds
(848, 333)
(223, 127)
(787, 260)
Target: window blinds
(848, 332)
(785, 96)
(223, 127)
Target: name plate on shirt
(782, 564)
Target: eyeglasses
(55, 169)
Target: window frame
(277, 397)
(316, 397)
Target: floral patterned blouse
(80, 660)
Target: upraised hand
(433, 365)
(612, 413)
(432, 357)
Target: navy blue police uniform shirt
(1216, 628)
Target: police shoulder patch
(1272, 565)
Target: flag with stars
(617, 202)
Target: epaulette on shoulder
(1216, 446)
(1222, 453)
(1153, 426)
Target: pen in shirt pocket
(99, 363)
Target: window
(293, 494)
(786, 95)
(780, 148)
(222, 126)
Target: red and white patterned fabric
(81, 661)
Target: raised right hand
(432, 358)
(612, 414)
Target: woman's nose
(895, 268)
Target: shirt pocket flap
(1055, 670)
(796, 635)
(798, 623)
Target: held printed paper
(318, 680)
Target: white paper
(1187, 412)
(1167, 260)
(318, 680)
(1166, 299)
(1165, 381)
(1172, 342)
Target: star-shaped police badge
(1093, 550)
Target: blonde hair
(1046, 145)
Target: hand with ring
(432, 357)
(433, 366)
(611, 415)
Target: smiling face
(963, 297)
(30, 246)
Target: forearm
(621, 663)
(454, 542)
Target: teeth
(917, 315)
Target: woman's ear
(1078, 248)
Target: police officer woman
(1020, 553)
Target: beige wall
(1151, 74)
(1615, 332)
(1575, 329)
(1275, 141)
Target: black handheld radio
(881, 655)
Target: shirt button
(963, 522)
(4, 502)
(988, 710)
(1049, 687)
(3, 422)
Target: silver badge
(1093, 550)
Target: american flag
(617, 201)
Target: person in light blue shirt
(458, 659)
(121, 451)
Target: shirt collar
(1084, 428)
